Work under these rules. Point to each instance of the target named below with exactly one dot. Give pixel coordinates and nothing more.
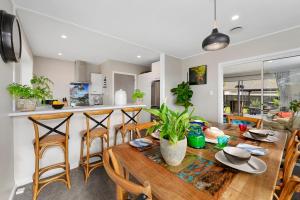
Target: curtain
(282, 80)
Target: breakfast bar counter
(24, 135)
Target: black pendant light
(215, 40)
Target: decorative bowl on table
(259, 133)
(236, 155)
(57, 105)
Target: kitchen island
(24, 135)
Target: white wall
(107, 68)
(6, 133)
(205, 97)
(171, 76)
(59, 71)
(144, 84)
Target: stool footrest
(51, 167)
(52, 178)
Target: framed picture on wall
(198, 75)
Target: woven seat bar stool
(53, 137)
(132, 115)
(99, 130)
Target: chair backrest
(256, 121)
(291, 158)
(293, 139)
(292, 186)
(90, 116)
(116, 173)
(36, 119)
(143, 126)
(131, 115)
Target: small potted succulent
(138, 96)
(27, 96)
(173, 127)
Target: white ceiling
(103, 29)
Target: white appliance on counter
(96, 89)
(120, 98)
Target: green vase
(196, 138)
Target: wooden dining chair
(257, 122)
(52, 138)
(99, 130)
(123, 186)
(291, 158)
(130, 118)
(292, 186)
(143, 126)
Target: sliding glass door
(281, 85)
(263, 90)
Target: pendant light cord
(215, 6)
(215, 14)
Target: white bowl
(236, 155)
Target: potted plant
(174, 127)
(295, 107)
(183, 94)
(27, 96)
(138, 96)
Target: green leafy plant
(137, 94)
(255, 103)
(17, 90)
(183, 94)
(40, 89)
(295, 106)
(173, 125)
(276, 102)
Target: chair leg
(81, 151)
(67, 167)
(116, 135)
(123, 137)
(35, 185)
(107, 140)
(87, 165)
(102, 144)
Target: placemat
(205, 175)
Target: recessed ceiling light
(63, 36)
(270, 61)
(235, 17)
(138, 56)
(60, 54)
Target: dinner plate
(262, 131)
(155, 135)
(140, 143)
(270, 138)
(214, 141)
(258, 163)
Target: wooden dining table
(166, 185)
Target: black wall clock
(10, 37)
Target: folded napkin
(254, 150)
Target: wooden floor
(99, 187)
